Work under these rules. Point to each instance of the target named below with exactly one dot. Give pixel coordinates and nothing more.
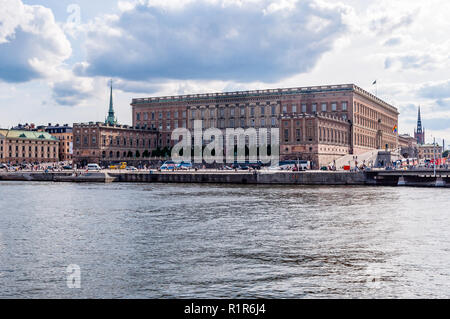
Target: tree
(445, 154)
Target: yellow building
(27, 147)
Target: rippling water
(218, 241)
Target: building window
(303, 108)
(344, 106)
(334, 106)
(324, 107)
(294, 108)
(284, 109)
(314, 107)
(286, 135)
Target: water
(219, 241)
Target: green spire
(111, 119)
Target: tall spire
(419, 122)
(419, 132)
(111, 119)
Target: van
(94, 167)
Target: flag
(395, 129)
(374, 82)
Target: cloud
(206, 40)
(439, 90)
(32, 45)
(137, 87)
(392, 42)
(409, 61)
(388, 24)
(73, 91)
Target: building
(408, 146)
(318, 138)
(65, 136)
(17, 147)
(419, 132)
(109, 142)
(429, 152)
(368, 120)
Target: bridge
(420, 177)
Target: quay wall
(373, 178)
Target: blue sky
(56, 56)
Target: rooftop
(257, 93)
(27, 135)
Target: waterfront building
(408, 146)
(428, 152)
(64, 134)
(108, 142)
(419, 132)
(17, 147)
(368, 120)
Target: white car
(131, 168)
(94, 167)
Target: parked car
(67, 167)
(184, 166)
(169, 165)
(94, 167)
(131, 168)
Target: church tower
(111, 119)
(419, 132)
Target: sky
(57, 56)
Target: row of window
(145, 115)
(313, 107)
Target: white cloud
(226, 40)
(32, 45)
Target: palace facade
(104, 144)
(323, 122)
(108, 142)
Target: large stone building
(408, 146)
(332, 120)
(109, 142)
(428, 152)
(17, 147)
(64, 134)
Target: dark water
(164, 241)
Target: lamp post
(434, 155)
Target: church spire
(111, 119)
(419, 133)
(419, 122)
